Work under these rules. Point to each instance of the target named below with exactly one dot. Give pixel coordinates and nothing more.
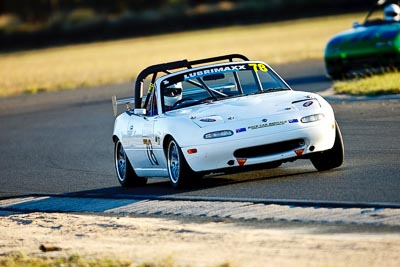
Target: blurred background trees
(46, 22)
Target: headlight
(312, 118)
(218, 134)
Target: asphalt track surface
(60, 144)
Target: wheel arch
(167, 139)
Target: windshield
(196, 86)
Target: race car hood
(248, 107)
(364, 40)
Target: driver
(392, 12)
(172, 94)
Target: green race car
(368, 46)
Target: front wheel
(331, 158)
(179, 171)
(125, 173)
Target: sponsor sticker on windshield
(200, 73)
(232, 68)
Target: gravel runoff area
(196, 241)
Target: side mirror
(139, 111)
(356, 25)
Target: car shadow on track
(161, 188)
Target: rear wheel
(331, 158)
(179, 171)
(125, 173)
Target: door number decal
(150, 152)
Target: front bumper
(342, 65)
(312, 137)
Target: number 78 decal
(258, 67)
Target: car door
(133, 142)
(147, 149)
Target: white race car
(219, 115)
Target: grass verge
(21, 260)
(379, 84)
(118, 61)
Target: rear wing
(124, 101)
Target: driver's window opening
(172, 95)
(151, 107)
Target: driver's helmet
(172, 94)
(392, 12)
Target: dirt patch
(197, 242)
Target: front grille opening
(270, 149)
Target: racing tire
(336, 76)
(179, 172)
(331, 158)
(125, 173)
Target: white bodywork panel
(256, 122)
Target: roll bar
(174, 65)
